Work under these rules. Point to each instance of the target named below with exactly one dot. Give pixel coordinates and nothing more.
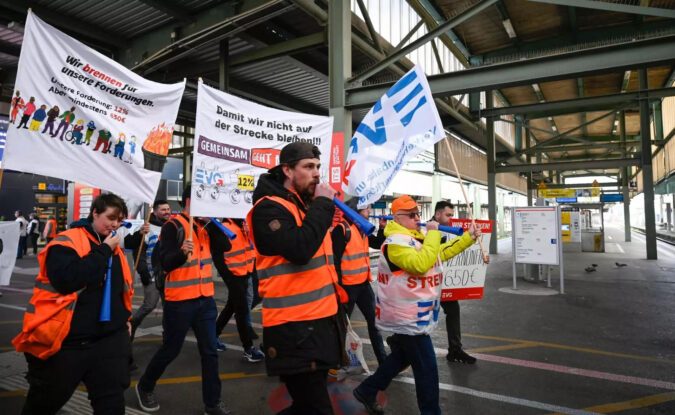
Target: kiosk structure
(537, 239)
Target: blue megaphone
(449, 229)
(222, 227)
(362, 223)
(105, 304)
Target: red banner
(82, 198)
(336, 171)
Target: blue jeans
(362, 295)
(200, 314)
(418, 352)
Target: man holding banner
(298, 282)
(409, 279)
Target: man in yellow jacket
(409, 279)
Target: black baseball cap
(298, 151)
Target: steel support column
(340, 65)
(647, 177)
(491, 173)
(528, 160)
(625, 173)
(223, 65)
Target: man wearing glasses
(410, 273)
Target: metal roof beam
(110, 41)
(450, 38)
(460, 18)
(9, 48)
(644, 53)
(613, 7)
(369, 24)
(586, 104)
(570, 165)
(580, 39)
(177, 13)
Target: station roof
(278, 54)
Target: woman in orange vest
(62, 338)
(236, 271)
(298, 282)
(352, 262)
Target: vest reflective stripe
(299, 299)
(407, 303)
(46, 322)
(296, 292)
(45, 286)
(193, 279)
(355, 263)
(283, 269)
(240, 260)
(357, 271)
(187, 283)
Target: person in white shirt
(23, 231)
(33, 231)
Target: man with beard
(298, 282)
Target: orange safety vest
(355, 263)
(47, 319)
(293, 292)
(52, 229)
(194, 278)
(240, 260)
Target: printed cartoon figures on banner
(91, 127)
(75, 135)
(132, 150)
(156, 147)
(16, 104)
(28, 110)
(103, 140)
(119, 147)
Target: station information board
(536, 233)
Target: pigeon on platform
(618, 264)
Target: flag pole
(486, 258)
(140, 248)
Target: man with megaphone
(410, 272)
(297, 280)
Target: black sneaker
(372, 407)
(147, 400)
(219, 409)
(460, 356)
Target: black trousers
(101, 365)
(309, 392)
(33, 240)
(451, 309)
(237, 305)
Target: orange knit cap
(403, 202)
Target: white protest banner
(402, 124)
(464, 274)
(9, 245)
(236, 141)
(83, 117)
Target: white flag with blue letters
(400, 125)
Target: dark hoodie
(67, 273)
(299, 346)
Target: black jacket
(340, 241)
(67, 273)
(302, 346)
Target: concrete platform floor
(606, 346)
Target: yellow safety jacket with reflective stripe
(194, 278)
(355, 264)
(46, 322)
(240, 260)
(294, 292)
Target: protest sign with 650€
(464, 274)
